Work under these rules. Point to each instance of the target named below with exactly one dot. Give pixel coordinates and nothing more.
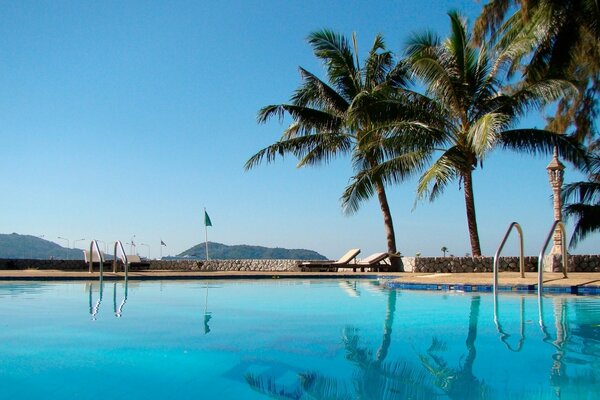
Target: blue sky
(127, 118)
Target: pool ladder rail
(565, 256)
(540, 288)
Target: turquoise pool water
(292, 339)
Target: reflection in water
(443, 374)
(375, 377)
(503, 335)
(207, 314)
(95, 307)
(461, 382)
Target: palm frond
(311, 149)
(378, 64)
(325, 147)
(444, 170)
(316, 93)
(393, 171)
(490, 19)
(335, 52)
(541, 93)
(484, 132)
(538, 141)
(582, 192)
(307, 119)
(588, 221)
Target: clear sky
(128, 118)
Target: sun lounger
(376, 261)
(331, 265)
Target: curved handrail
(94, 245)
(119, 246)
(563, 250)
(521, 257)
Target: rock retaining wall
(577, 263)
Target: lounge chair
(136, 261)
(376, 261)
(331, 265)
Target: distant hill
(219, 251)
(26, 246)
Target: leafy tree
(475, 114)
(444, 250)
(550, 39)
(339, 117)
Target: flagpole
(205, 234)
(161, 242)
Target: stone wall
(577, 263)
(178, 265)
(224, 265)
(63, 265)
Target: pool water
(292, 339)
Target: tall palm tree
(552, 38)
(339, 117)
(475, 114)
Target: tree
(550, 39)
(444, 250)
(475, 115)
(340, 117)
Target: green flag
(207, 219)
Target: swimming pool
(291, 339)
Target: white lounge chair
(331, 265)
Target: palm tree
(340, 117)
(444, 250)
(582, 202)
(475, 115)
(555, 38)
(458, 383)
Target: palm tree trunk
(471, 217)
(387, 220)
(382, 352)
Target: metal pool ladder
(497, 255)
(563, 250)
(515, 225)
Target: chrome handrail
(563, 250)
(521, 252)
(119, 246)
(94, 245)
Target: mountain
(219, 251)
(26, 246)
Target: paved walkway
(575, 279)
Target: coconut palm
(552, 38)
(444, 250)
(338, 117)
(475, 114)
(582, 203)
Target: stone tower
(556, 174)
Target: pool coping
(577, 283)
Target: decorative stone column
(556, 175)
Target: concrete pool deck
(575, 279)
